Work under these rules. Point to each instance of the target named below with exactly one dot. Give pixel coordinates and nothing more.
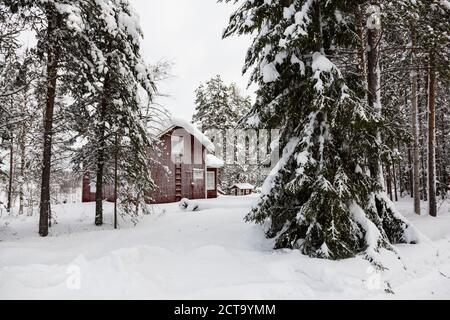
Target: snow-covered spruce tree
(321, 197)
(20, 128)
(19, 106)
(112, 91)
(428, 52)
(219, 108)
(11, 25)
(11, 117)
(409, 27)
(212, 105)
(397, 131)
(443, 140)
(402, 58)
(433, 35)
(56, 24)
(218, 105)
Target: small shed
(242, 189)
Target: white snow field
(209, 254)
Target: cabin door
(198, 184)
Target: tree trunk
(116, 181)
(53, 53)
(410, 174)
(424, 178)
(99, 183)
(423, 184)
(22, 171)
(101, 151)
(389, 181)
(432, 204)
(401, 182)
(362, 64)
(373, 86)
(415, 128)
(443, 143)
(11, 173)
(49, 214)
(394, 175)
(30, 210)
(424, 142)
(22, 142)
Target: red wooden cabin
(187, 169)
(88, 192)
(185, 166)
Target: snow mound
(183, 203)
(189, 205)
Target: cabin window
(211, 180)
(198, 174)
(177, 146)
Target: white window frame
(198, 174)
(181, 139)
(211, 185)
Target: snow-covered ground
(210, 254)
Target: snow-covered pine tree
(220, 107)
(443, 139)
(213, 105)
(14, 112)
(20, 107)
(112, 92)
(320, 197)
(435, 39)
(11, 25)
(19, 116)
(240, 104)
(430, 28)
(52, 43)
(415, 125)
(11, 117)
(400, 25)
(396, 68)
(55, 22)
(59, 28)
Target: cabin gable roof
(175, 123)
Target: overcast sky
(188, 33)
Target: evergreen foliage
(321, 197)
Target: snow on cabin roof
(243, 186)
(213, 162)
(191, 129)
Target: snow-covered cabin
(188, 168)
(184, 166)
(242, 189)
